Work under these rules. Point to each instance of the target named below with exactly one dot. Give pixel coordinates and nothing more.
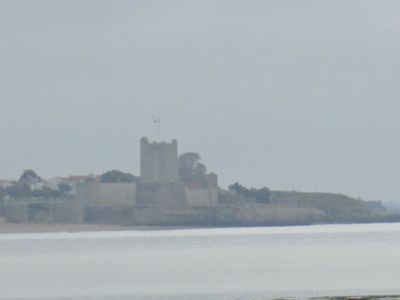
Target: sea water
(229, 263)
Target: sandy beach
(41, 228)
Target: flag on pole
(157, 122)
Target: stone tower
(158, 162)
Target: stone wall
(116, 215)
(15, 212)
(199, 197)
(59, 211)
(163, 194)
(103, 194)
(225, 215)
(155, 215)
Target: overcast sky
(300, 95)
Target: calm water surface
(234, 263)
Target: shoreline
(11, 228)
(19, 228)
(355, 297)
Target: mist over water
(202, 263)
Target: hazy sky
(299, 95)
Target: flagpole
(157, 121)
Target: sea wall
(169, 208)
(58, 211)
(174, 216)
(115, 215)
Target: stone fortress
(160, 182)
(164, 196)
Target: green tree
(114, 176)
(259, 195)
(29, 176)
(190, 165)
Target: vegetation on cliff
(261, 195)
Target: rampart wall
(103, 194)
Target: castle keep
(161, 184)
(158, 162)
